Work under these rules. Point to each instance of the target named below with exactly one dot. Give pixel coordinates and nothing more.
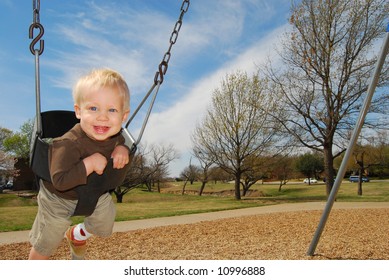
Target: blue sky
(217, 37)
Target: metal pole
(38, 95)
(350, 148)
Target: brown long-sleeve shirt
(65, 160)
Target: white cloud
(134, 41)
(176, 124)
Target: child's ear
(77, 110)
(125, 115)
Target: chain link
(162, 68)
(36, 4)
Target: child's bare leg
(34, 255)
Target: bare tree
(237, 125)
(137, 175)
(326, 65)
(160, 157)
(189, 174)
(256, 169)
(148, 166)
(365, 156)
(204, 172)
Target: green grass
(18, 213)
(375, 191)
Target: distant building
(26, 178)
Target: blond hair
(99, 78)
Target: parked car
(312, 180)
(355, 179)
(9, 185)
(6, 185)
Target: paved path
(22, 236)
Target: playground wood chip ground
(357, 234)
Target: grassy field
(18, 213)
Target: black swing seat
(55, 124)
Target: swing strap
(97, 185)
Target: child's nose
(102, 116)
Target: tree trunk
(360, 182)
(360, 187)
(361, 172)
(246, 187)
(148, 185)
(183, 187)
(329, 168)
(237, 185)
(202, 188)
(280, 187)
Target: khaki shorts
(54, 218)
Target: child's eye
(112, 110)
(92, 108)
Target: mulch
(353, 234)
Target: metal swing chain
(37, 52)
(36, 25)
(159, 75)
(162, 68)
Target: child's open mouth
(101, 129)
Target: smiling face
(101, 112)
